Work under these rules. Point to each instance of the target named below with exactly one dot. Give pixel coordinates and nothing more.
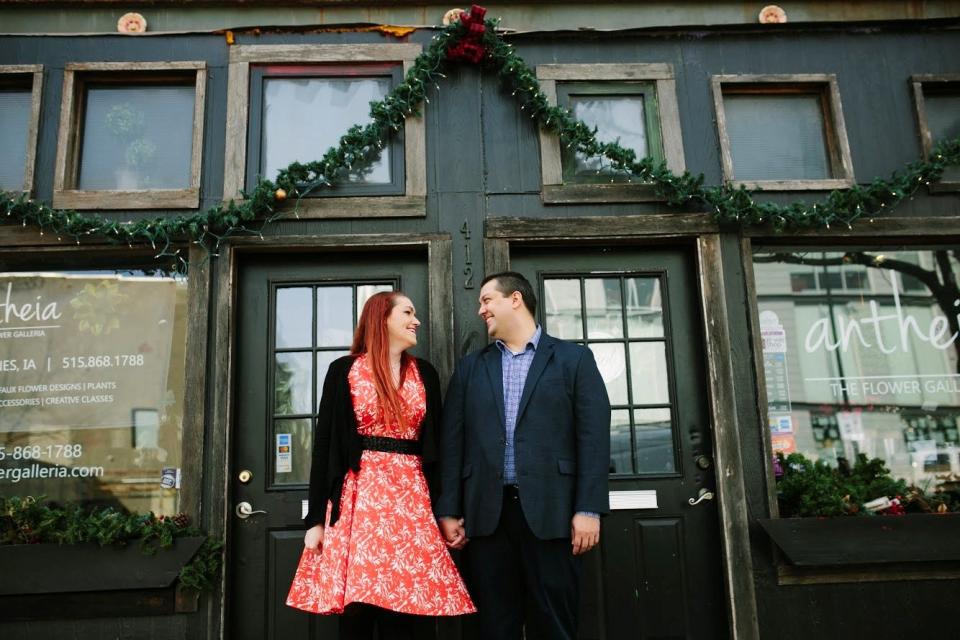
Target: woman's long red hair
(373, 339)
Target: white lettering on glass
(28, 311)
(848, 330)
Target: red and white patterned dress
(386, 549)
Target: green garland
(360, 146)
(30, 520)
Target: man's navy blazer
(561, 441)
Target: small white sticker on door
(284, 459)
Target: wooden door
(657, 571)
(296, 315)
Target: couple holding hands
(512, 468)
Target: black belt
(390, 445)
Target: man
(525, 454)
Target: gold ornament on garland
(474, 41)
(280, 195)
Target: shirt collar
(532, 343)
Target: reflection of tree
(941, 280)
(283, 389)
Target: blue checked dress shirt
(515, 369)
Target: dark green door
(296, 314)
(657, 572)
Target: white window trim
(66, 196)
(920, 105)
(33, 125)
(842, 166)
(554, 190)
(411, 204)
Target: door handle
(702, 496)
(245, 510)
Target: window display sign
(91, 386)
(871, 339)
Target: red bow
(469, 47)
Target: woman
(374, 552)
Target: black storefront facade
(192, 391)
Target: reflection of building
(871, 362)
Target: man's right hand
(453, 532)
(313, 539)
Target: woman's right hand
(314, 538)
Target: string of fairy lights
(473, 39)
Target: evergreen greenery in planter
(815, 489)
(33, 521)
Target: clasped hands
(584, 533)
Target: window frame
(651, 124)
(661, 76)
(835, 131)
(411, 203)
(939, 81)
(260, 73)
(32, 75)
(76, 76)
(14, 258)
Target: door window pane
(292, 382)
(303, 117)
(634, 368)
(137, 137)
(868, 371)
(334, 316)
(617, 119)
(621, 445)
(15, 108)
(654, 441)
(561, 300)
(604, 308)
(777, 137)
(293, 445)
(644, 307)
(299, 375)
(294, 317)
(92, 387)
(613, 368)
(648, 362)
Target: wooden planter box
(853, 540)
(51, 568)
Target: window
(782, 132)
(937, 100)
(304, 110)
(633, 103)
(293, 102)
(868, 369)
(313, 326)
(20, 91)
(130, 136)
(621, 319)
(92, 385)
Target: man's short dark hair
(510, 281)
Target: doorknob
(702, 496)
(245, 510)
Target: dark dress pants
(516, 578)
(359, 621)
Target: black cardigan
(336, 443)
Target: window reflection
(92, 411)
(863, 360)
